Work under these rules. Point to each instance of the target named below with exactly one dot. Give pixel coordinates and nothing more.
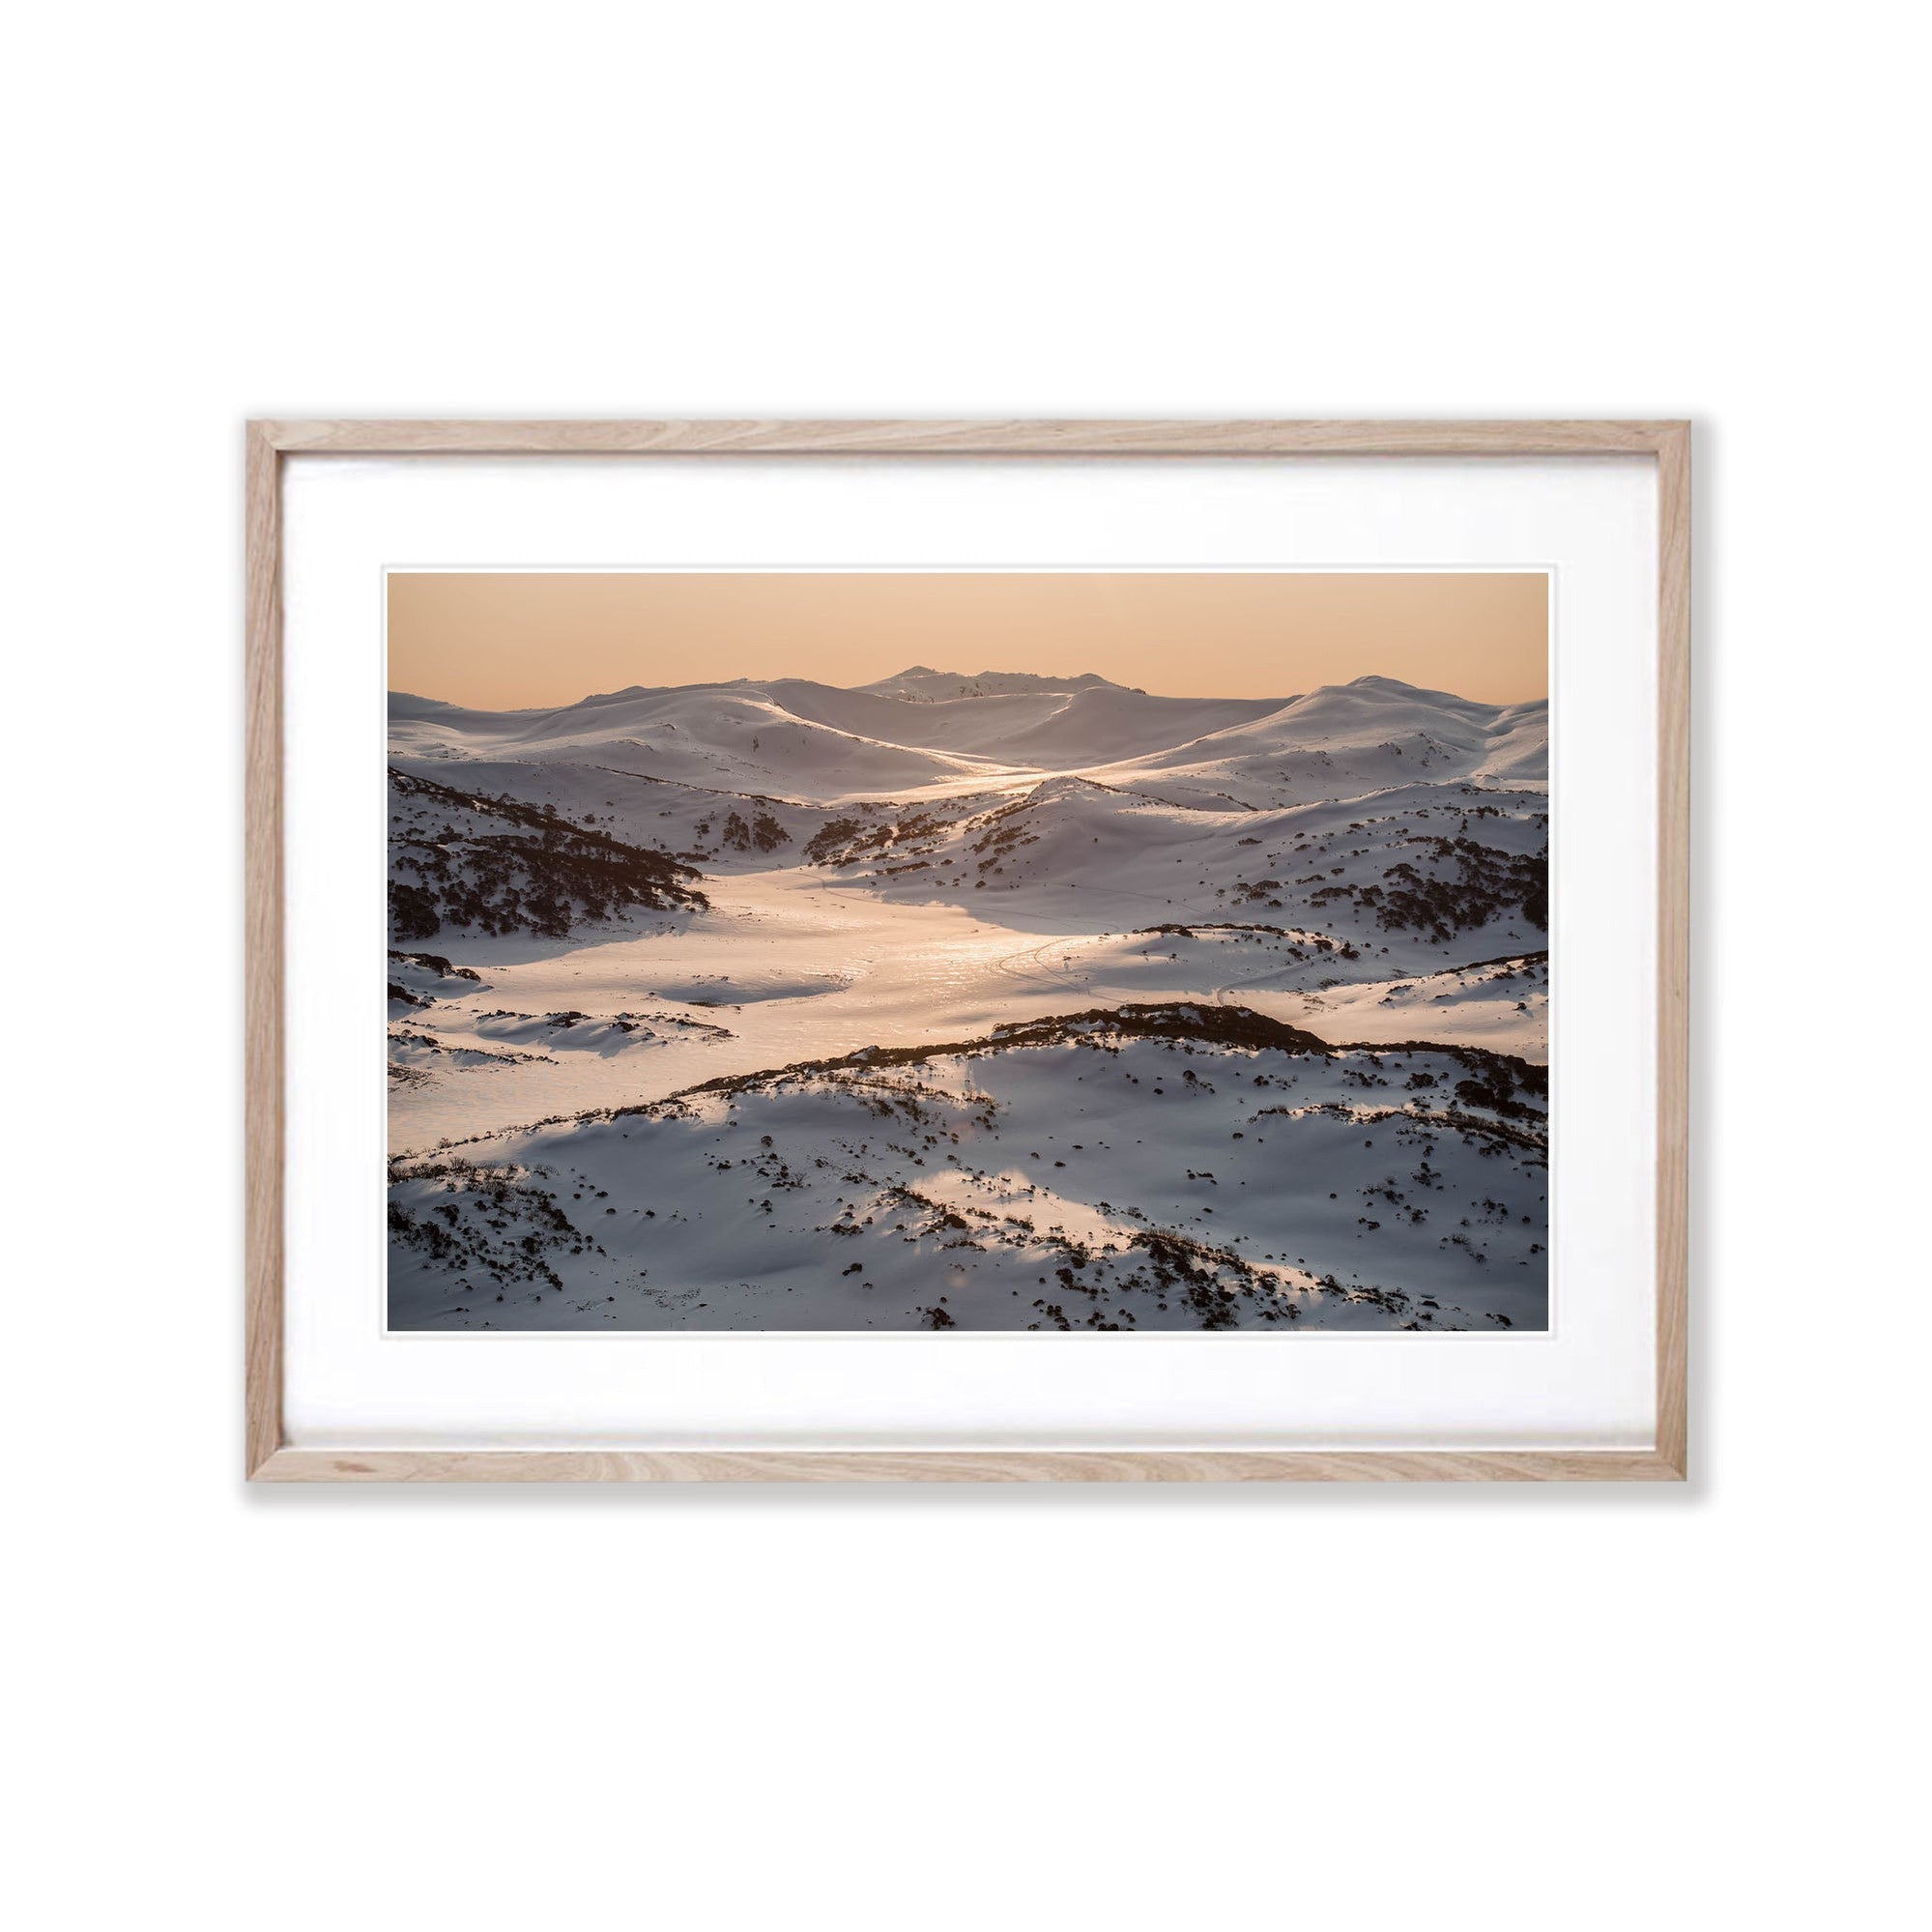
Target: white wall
(914, 1710)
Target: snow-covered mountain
(922, 683)
(1341, 741)
(886, 926)
(915, 733)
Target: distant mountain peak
(1373, 684)
(923, 681)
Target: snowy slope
(1154, 1167)
(817, 740)
(1344, 740)
(684, 892)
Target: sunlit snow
(696, 999)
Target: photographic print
(755, 962)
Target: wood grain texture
(263, 865)
(269, 1460)
(1673, 948)
(1019, 1465)
(567, 437)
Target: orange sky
(501, 640)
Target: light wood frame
(269, 1458)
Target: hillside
(1344, 740)
(849, 949)
(1146, 1167)
(499, 867)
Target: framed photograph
(933, 951)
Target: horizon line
(1089, 680)
(541, 639)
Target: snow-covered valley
(977, 1002)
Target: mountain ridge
(798, 737)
